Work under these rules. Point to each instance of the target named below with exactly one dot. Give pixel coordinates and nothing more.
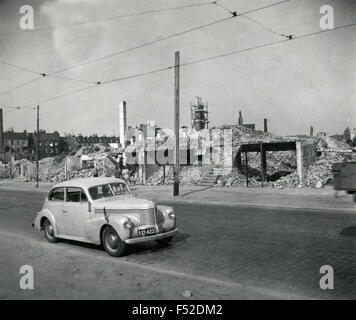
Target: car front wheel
(112, 243)
(49, 232)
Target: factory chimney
(1, 132)
(265, 130)
(122, 122)
(311, 131)
(240, 120)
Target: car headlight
(128, 224)
(171, 215)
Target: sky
(295, 84)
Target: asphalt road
(277, 250)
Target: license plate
(146, 232)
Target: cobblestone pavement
(270, 248)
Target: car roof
(87, 182)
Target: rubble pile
(3, 172)
(243, 135)
(239, 178)
(52, 169)
(188, 175)
(319, 173)
(281, 167)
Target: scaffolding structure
(199, 115)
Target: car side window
(76, 195)
(56, 195)
(73, 195)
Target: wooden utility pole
(37, 144)
(263, 163)
(2, 139)
(246, 166)
(10, 161)
(176, 125)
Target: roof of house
(15, 135)
(49, 136)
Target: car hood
(124, 203)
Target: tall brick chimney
(265, 129)
(1, 132)
(122, 122)
(240, 121)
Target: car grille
(148, 217)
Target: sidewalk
(314, 199)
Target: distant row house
(22, 145)
(17, 143)
(50, 144)
(87, 141)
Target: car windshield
(109, 190)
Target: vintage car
(103, 211)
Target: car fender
(117, 222)
(45, 213)
(168, 224)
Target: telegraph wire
(108, 18)
(250, 11)
(244, 15)
(140, 46)
(72, 79)
(137, 75)
(19, 67)
(233, 15)
(145, 44)
(42, 76)
(89, 87)
(265, 7)
(226, 9)
(21, 85)
(269, 44)
(70, 67)
(189, 63)
(265, 27)
(57, 97)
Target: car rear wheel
(49, 232)
(112, 243)
(164, 241)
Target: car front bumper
(151, 238)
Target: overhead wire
(192, 62)
(19, 67)
(269, 44)
(107, 18)
(142, 45)
(244, 15)
(70, 67)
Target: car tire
(49, 232)
(112, 243)
(165, 241)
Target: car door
(76, 212)
(55, 202)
